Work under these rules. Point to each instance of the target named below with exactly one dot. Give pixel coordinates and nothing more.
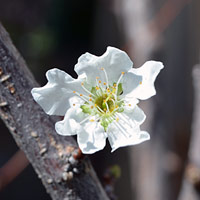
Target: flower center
(106, 102)
(103, 101)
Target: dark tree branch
(51, 155)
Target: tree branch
(50, 154)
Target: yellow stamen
(104, 83)
(99, 81)
(92, 120)
(81, 95)
(102, 68)
(74, 104)
(123, 73)
(97, 77)
(115, 85)
(91, 107)
(74, 91)
(82, 83)
(117, 119)
(97, 88)
(129, 104)
(90, 95)
(90, 99)
(95, 105)
(140, 82)
(104, 109)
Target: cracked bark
(64, 177)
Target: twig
(166, 15)
(12, 168)
(148, 33)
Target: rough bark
(51, 155)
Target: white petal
(114, 61)
(91, 138)
(75, 101)
(149, 72)
(90, 135)
(130, 82)
(130, 103)
(125, 136)
(70, 124)
(135, 115)
(54, 96)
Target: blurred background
(54, 33)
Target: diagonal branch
(64, 175)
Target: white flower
(102, 102)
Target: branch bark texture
(53, 157)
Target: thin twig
(13, 168)
(166, 15)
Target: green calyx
(120, 89)
(86, 109)
(106, 120)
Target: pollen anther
(123, 73)
(74, 92)
(81, 95)
(92, 120)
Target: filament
(105, 76)
(118, 82)
(82, 84)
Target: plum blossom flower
(102, 102)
